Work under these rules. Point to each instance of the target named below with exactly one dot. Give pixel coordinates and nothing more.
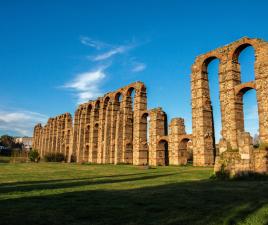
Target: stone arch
(82, 129)
(203, 129)
(183, 151)
(97, 106)
(89, 109)
(118, 97)
(116, 128)
(163, 138)
(145, 121)
(162, 153)
(237, 51)
(243, 88)
(106, 101)
(211, 71)
(129, 153)
(240, 91)
(207, 61)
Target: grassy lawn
(55, 193)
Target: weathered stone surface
(55, 136)
(118, 128)
(231, 101)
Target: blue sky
(55, 54)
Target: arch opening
(211, 71)
(129, 153)
(247, 108)
(162, 154)
(118, 98)
(145, 135)
(183, 154)
(250, 119)
(95, 143)
(244, 56)
(131, 92)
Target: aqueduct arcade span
(115, 127)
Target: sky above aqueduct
(57, 54)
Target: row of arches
(55, 136)
(103, 129)
(218, 96)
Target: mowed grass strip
(59, 193)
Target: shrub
(54, 157)
(34, 156)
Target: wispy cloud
(93, 43)
(19, 122)
(138, 67)
(106, 50)
(87, 85)
(112, 52)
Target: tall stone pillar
(157, 130)
(202, 117)
(140, 148)
(75, 134)
(261, 79)
(81, 138)
(94, 131)
(118, 156)
(176, 129)
(127, 130)
(54, 135)
(231, 105)
(107, 133)
(114, 111)
(102, 113)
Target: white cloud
(114, 51)
(20, 122)
(138, 67)
(93, 43)
(87, 85)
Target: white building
(26, 141)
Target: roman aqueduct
(115, 128)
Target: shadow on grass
(73, 183)
(21, 183)
(204, 202)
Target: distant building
(26, 141)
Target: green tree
(9, 142)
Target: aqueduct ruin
(115, 128)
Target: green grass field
(55, 193)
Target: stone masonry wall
(231, 94)
(55, 136)
(118, 127)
